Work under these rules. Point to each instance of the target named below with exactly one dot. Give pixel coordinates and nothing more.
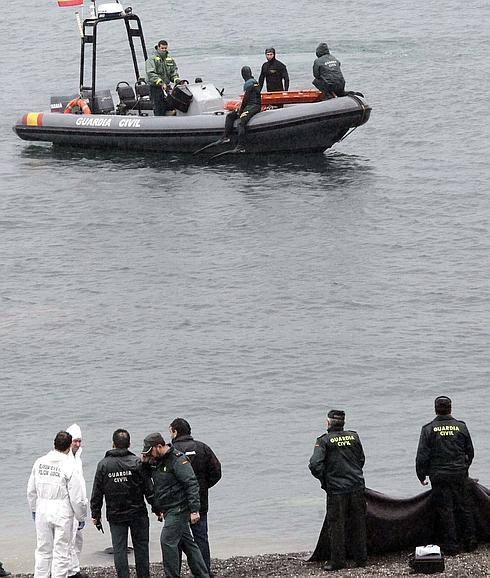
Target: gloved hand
(81, 525)
(33, 514)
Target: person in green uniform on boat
(161, 71)
(326, 70)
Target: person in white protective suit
(77, 543)
(56, 497)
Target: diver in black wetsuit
(274, 73)
(249, 107)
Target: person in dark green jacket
(161, 70)
(326, 70)
(3, 572)
(337, 461)
(176, 500)
(444, 454)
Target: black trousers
(243, 120)
(452, 503)
(139, 528)
(158, 99)
(346, 516)
(329, 89)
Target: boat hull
(312, 127)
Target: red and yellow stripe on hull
(33, 119)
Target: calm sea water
(249, 297)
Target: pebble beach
(465, 565)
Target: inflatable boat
(295, 121)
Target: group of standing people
(444, 455)
(173, 478)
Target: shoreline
(294, 565)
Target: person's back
(446, 447)
(48, 485)
(120, 480)
(252, 99)
(56, 497)
(326, 70)
(444, 454)
(339, 461)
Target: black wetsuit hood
(246, 73)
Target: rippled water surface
(250, 296)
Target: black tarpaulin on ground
(397, 524)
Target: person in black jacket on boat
(249, 107)
(444, 454)
(326, 70)
(274, 73)
(120, 478)
(207, 468)
(337, 461)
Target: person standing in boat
(274, 73)
(326, 70)
(161, 71)
(250, 106)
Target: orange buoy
(81, 103)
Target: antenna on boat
(79, 23)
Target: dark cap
(336, 414)
(442, 404)
(152, 440)
(273, 50)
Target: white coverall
(55, 493)
(77, 542)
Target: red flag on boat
(63, 3)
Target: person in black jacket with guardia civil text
(444, 454)
(337, 461)
(121, 480)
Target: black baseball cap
(152, 440)
(336, 414)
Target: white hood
(75, 431)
